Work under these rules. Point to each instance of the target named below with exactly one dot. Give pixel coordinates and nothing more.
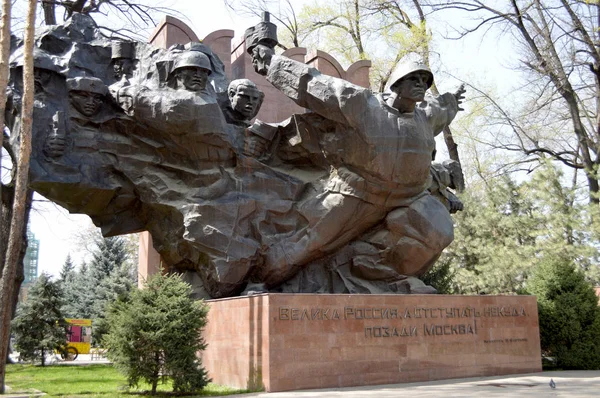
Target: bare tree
(18, 213)
(559, 48)
(396, 13)
(136, 16)
(345, 23)
(281, 10)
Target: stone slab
(284, 342)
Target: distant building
(30, 263)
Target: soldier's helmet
(193, 59)
(404, 69)
(41, 60)
(87, 83)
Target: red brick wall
(296, 341)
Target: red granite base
(283, 342)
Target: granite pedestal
(283, 342)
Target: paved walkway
(85, 359)
(82, 359)
(571, 384)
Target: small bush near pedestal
(155, 334)
(569, 315)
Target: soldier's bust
(245, 100)
(190, 72)
(86, 94)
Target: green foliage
(109, 255)
(108, 276)
(440, 276)
(79, 294)
(117, 284)
(83, 381)
(336, 26)
(494, 245)
(381, 31)
(39, 326)
(156, 333)
(509, 228)
(68, 270)
(569, 315)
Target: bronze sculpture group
(342, 199)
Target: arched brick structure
(171, 30)
(219, 42)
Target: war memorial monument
(303, 205)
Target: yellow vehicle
(80, 335)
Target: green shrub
(39, 326)
(569, 315)
(155, 334)
(440, 276)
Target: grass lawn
(86, 381)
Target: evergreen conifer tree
(508, 228)
(68, 269)
(93, 287)
(494, 244)
(441, 277)
(108, 256)
(156, 333)
(39, 326)
(118, 284)
(569, 316)
(79, 294)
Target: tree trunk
(156, 374)
(49, 7)
(451, 145)
(569, 94)
(13, 248)
(76, 6)
(4, 57)
(6, 215)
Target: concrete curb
(571, 384)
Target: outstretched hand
(459, 96)
(454, 203)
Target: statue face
(41, 79)
(246, 101)
(122, 66)
(192, 78)
(412, 86)
(86, 103)
(261, 59)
